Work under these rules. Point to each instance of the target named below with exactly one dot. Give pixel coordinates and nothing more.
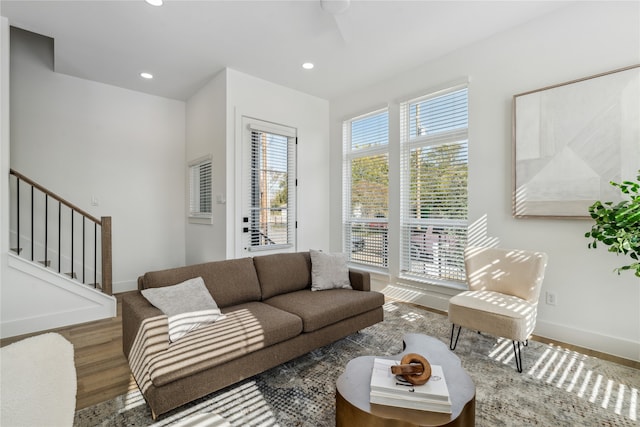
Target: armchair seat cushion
(495, 313)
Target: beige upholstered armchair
(504, 287)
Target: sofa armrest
(151, 340)
(135, 309)
(360, 280)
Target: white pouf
(38, 382)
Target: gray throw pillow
(188, 306)
(329, 271)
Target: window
(272, 184)
(434, 146)
(200, 191)
(366, 188)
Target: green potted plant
(618, 226)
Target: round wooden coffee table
(352, 391)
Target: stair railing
(104, 223)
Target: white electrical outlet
(551, 298)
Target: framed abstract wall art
(570, 140)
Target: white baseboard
(614, 346)
(124, 286)
(11, 328)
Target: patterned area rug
(558, 387)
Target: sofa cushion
(245, 329)
(230, 282)
(282, 273)
(320, 309)
(188, 306)
(329, 271)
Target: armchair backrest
(508, 271)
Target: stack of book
(389, 389)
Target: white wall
(214, 117)
(206, 135)
(4, 147)
(256, 98)
(595, 307)
(36, 299)
(83, 139)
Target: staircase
(56, 262)
(52, 232)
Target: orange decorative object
(414, 368)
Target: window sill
(441, 286)
(432, 283)
(269, 247)
(200, 220)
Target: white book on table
(422, 405)
(384, 382)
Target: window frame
(277, 130)
(449, 233)
(375, 227)
(194, 170)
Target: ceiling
(185, 43)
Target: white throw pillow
(329, 271)
(188, 305)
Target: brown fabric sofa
(272, 316)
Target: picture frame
(571, 140)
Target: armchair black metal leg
(452, 345)
(518, 355)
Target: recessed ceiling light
(146, 75)
(154, 2)
(307, 65)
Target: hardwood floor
(102, 370)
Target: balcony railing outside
(71, 250)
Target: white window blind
(366, 188)
(434, 141)
(200, 189)
(272, 192)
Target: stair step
(46, 263)
(17, 250)
(95, 285)
(73, 275)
